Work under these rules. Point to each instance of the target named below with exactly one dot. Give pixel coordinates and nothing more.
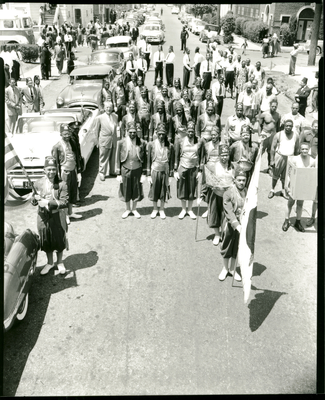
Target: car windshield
(121, 44)
(27, 22)
(79, 115)
(90, 77)
(104, 57)
(41, 124)
(151, 28)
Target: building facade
(276, 14)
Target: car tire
(22, 311)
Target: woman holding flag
(218, 177)
(233, 203)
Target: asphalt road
(141, 309)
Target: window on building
(256, 13)
(252, 12)
(285, 19)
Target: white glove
(43, 203)
(119, 178)
(238, 228)
(199, 200)
(79, 179)
(198, 176)
(149, 179)
(176, 175)
(142, 179)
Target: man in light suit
(13, 101)
(106, 128)
(31, 98)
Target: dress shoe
(126, 214)
(61, 268)
(298, 226)
(182, 214)
(286, 225)
(284, 195)
(102, 177)
(310, 221)
(46, 269)
(191, 214)
(162, 214)
(136, 214)
(75, 216)
(216, 240)
(271, 194)
(204, 215)
(78, 204)
(223, 274)
(154, 214)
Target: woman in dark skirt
(130, 159)
(51, 198)
(218, 177)
(187, 169)
(233, 203)
(159, 169)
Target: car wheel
(22, 311)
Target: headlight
(60, 101)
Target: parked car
(155, 20)
(196, 26)
(85, 87)
(153, 33)
(319, 48)
(35, 135)
(188, 20)
(123, 43)
(20, 257)
(175, 10)
(210, 31)
(112, 57)
(16, 27)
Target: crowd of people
(176, 130)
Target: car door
(88, 136)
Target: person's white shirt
(204, 67)
(198, 58)
(216, 57)
(186, 61)
(158, 56)
(6, 56)
(237, 65)
(229, 66)
(141, 44)
(147, 49)
(128, 66)
(213, 44)
(170, 58)
(40, 41)
(250, 69)
(67, 37)
(216, 90)
(141, 63)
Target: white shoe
(154, 214)
(204, 215)
(126, 214)
(223, 274)
(61, 268)
(191, 214)
(237, 277)
(162, 214)
(216, 240)
(67, 220)
(136, 214)
(46, 269)
(182, 214)
(76, 216)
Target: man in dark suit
(184, 37)
(45, 61)
(302, 95)
(31, 98)
(13, 101)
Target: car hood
(85, 92)
(32, 148)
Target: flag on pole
(248, 230)
(12, 198)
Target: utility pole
(314, 34)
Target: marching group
(174, 130)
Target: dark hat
(130, 125)
(50, 162)
(75, 124)
(179, 105)
(304, 80)
(245, 129)
(240, 172)
(161, 128)
(223, 148)
(29, 79)
(64, 127)
(190, 126)
(160, 103)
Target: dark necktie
(158, 55)
(132, 64)
(208, 66)
(220, 90)
(31, 93)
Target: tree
(314, 34)
(228, 23)
(200, 9)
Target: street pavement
(141, 310)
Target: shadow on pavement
(87, 214)
(93, 199)
(258, 269)
(20, 340)
(261, 214)
(90, 174)
(261, 306)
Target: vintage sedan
(85, 87)
(153, 33)
(20, 257)
(123, 43)
(112, 57)
(155, 20)
(210, 31)
(175, 10)
(35, 135)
